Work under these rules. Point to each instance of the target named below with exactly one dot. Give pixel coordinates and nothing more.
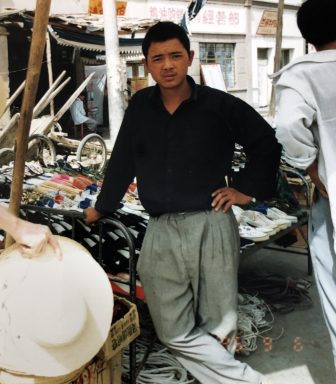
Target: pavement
(302, 355)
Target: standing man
(178, 139)
(306, 126)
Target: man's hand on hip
(225, 197)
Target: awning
(130, 49)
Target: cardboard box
(106, 367)
(123, 331)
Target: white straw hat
(55, 315)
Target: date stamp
(268, 344)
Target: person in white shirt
(306, 127)
(78, 114)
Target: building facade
(233, 41)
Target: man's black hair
(163, 31)
(316, 21)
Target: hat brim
(42, 303)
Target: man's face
(168, 63)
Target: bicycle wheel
(42, 149)
(6, 156)
(92, 152)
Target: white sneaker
(282, 223)
(258, 219)
(237, 211)
(275, 213)
(251, 233)
(268, 230)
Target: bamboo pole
(50, 72)
(277, 57)
(46, 98)
(34, 68)
(14, 96)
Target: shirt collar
(155, 92)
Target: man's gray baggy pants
(188, 268)
(324, 262)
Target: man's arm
(259, 177)
(120, 172)
(312, 171)
(294, 120)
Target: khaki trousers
(188, 267)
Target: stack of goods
(260, 222)
(61, 191)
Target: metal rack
(301, 222)
(74, 215)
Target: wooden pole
(277, 57)
(32, 79)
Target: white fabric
(54, 315)
(77, 111)
(306, 116)
(324, 259)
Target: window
(223, 54)
(135, 70)
(286, 55)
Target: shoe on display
(275, 213)
(238, 212)
(246, 243)
(247, 232)
(282, 223)
(258, 219)
(270, 231)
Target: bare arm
(312, 171)
(32, 237)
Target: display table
(269, 244)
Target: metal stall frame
(131, 248)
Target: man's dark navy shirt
(179, 159)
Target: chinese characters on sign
(96, 7)
(268, 23)
(208, 16)
(166, 13)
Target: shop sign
(268, 23)
(212, 18)
(212, 76)
(96, 7)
